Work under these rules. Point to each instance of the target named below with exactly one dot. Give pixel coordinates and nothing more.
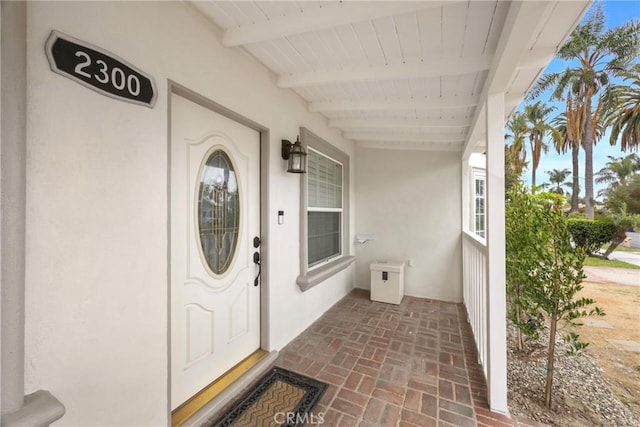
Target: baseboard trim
(233, 385)
(40, 409)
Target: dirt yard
(615, 338)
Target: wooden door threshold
(197, 402)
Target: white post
(496, 265)
(464, 226)
(13, 86)
(40, 408)
(465, 193)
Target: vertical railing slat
(474, 275)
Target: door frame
(180, 90)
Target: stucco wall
(96, 280)
(410, 201)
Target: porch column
(466, 197)
(39, 408)
(13, 60)
(496, 264)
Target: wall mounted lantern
(296, 155)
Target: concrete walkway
(631, 258)
(612, 275)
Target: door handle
(256, 260)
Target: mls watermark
(294, 418)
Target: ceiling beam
(394, 104)
(513, 98)
(432, 68)
(414, 124)
(403, 137)
(537, 58)
(315, 17)
(420, 146)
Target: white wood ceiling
(400, 74)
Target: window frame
(479, 175)
(320, 209)
(312, 276)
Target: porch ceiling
(400, 74)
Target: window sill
(318, 275)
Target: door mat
(279, 398)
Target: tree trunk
(534, 163)
(519, 337)
(575, 192)
(533, 177)
(550, 360)
(615, 242)
(588, 178)
(588, 142)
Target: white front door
(215, 215)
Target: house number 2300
(99, 70)
(116, 76)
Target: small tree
(559, 277)
(544, 271)
(523, 223)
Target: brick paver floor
(386, 365)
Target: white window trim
(341, 210)
(310, 277)
(475, 176)
(326, 209)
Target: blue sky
(617, 13)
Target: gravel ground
(581, 396)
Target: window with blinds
(324, 207)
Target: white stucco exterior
(410, 202)
(97, 195)
(89, 313)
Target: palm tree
(569, 127)
(623, 112)
(535, 116)
(598, 54)
(559, 178)
(517, 126)
(618, 169)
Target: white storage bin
(387, 281)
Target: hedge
(591, 234)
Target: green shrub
(576, 215)
(591, 234)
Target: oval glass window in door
(218, 211)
